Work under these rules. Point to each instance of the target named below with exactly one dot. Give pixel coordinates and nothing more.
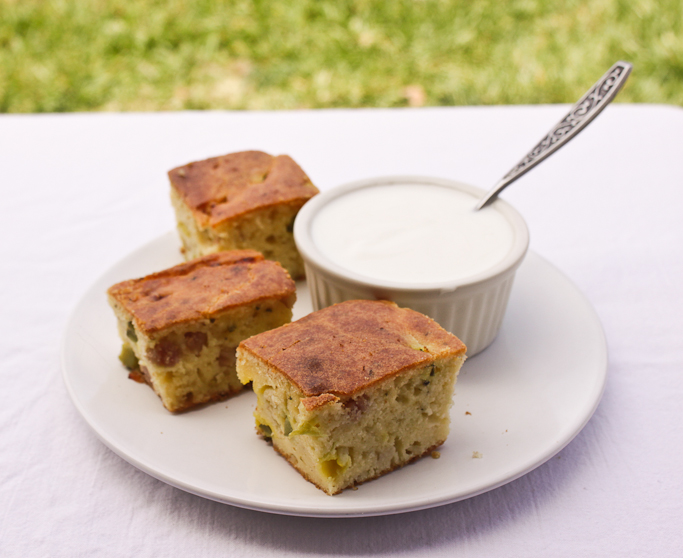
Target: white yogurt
(411, 233)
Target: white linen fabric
(80, 191)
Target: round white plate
(516, 405)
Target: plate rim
(296, 509)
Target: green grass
(81, 55)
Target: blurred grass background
(132, 55)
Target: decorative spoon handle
(581, 114)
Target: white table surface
(80, 191)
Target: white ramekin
(472, 308)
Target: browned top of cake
(349, 346)
(202, 288)
(221, 188)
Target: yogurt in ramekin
(419, 242)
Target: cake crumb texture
(245, 200)
(180, 327)
(353, 391)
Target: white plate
(517, 404)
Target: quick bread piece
(353, 391)
(180, 327)
(241, 200)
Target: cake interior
(194, 363)
(268, 230)
(339, 442)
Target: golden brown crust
(221, 188)
(202, 288)
(316, 401)
(349, 346)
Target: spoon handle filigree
(581, 114)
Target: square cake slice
(180, 327)
(353, 391)
(245, 200)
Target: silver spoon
(581, 114)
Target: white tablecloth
(80, 191)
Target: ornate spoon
(581, 114)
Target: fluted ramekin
(471, 308)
